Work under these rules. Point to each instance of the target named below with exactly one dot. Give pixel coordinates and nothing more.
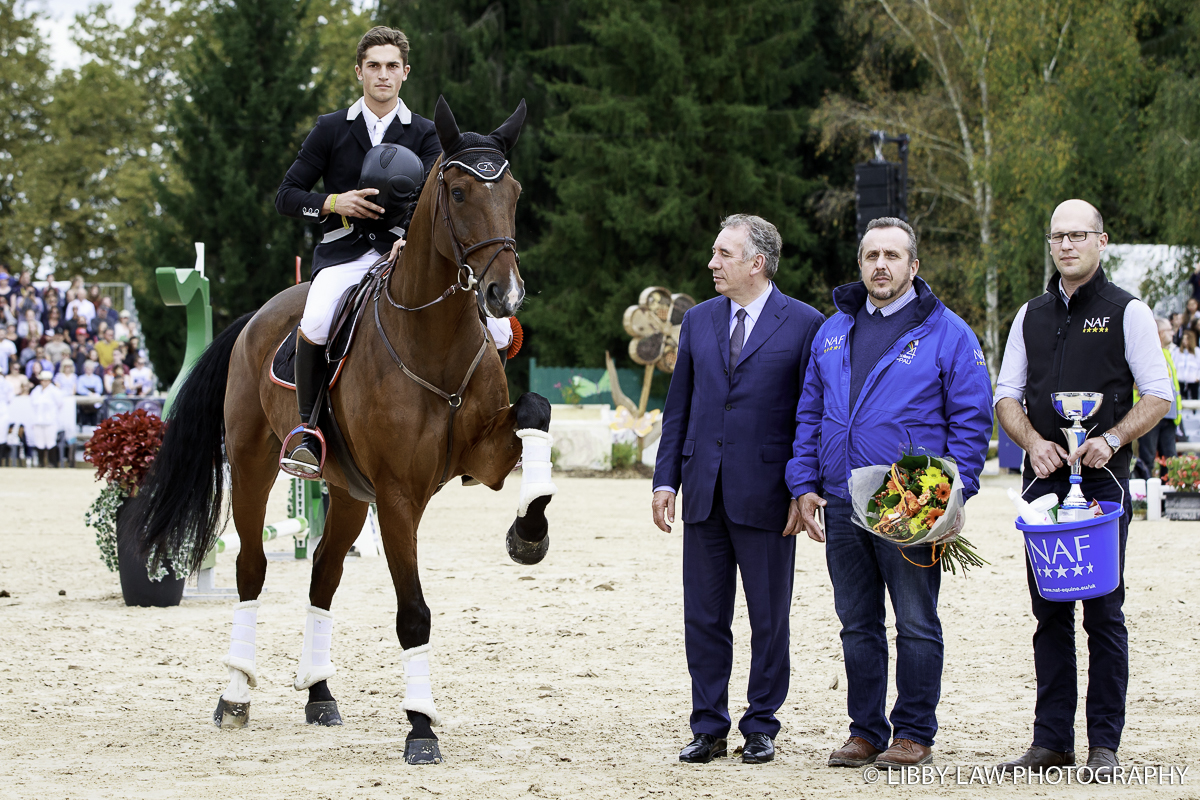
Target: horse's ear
(508, 132)
(447, 128)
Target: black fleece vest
(1078, 348)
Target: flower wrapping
(912, 502)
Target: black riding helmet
(398, 174)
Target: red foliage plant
(123, 448)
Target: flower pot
(1182, 505)
(136, 585)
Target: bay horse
(421, 330)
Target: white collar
(754, 309)
(400, 110)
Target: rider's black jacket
(333, 153)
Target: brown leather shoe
(1037, 759)
(856, 752)
(904, 753)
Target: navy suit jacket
(334, 153)
(740, 425)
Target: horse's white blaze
(514, 294)
(418, 691)
(243, 674)
(315, 663)
(535, 467)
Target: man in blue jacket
(893, 371)
(727, 432)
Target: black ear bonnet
(398, 174)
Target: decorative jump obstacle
(653, 325)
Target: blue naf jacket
(929, 393)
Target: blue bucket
(1076, 560)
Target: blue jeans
(1054, 645)
(861, 566)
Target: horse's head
(477, 201)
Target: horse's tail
(176, 515)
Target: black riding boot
(311, 369)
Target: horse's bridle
(466, 281)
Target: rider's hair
(383, 35)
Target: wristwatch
(1113, 441)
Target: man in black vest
(333, 153)
(1083, 335)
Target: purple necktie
(737, 338)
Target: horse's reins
(465, 281)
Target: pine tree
(676, 114)
(250, 101)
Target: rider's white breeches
(326, 289)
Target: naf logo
(910, 350)
(979, 360)
(1096, 324)
(834, 343)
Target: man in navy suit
(727, 431)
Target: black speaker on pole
(881, 186)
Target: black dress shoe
(759, 749)
(703, 749)
(1101, 761)
(1037, 759)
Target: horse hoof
(422, 751)
(231, 715)
(524, 552)
(324, 712)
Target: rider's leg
(311, 364)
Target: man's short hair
(891, 222)
(761, 239)
(381, 34)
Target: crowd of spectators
(64, 349)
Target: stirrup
(302, 469)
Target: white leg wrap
(243, 675)
(315, 665)
(418, 693)
(535, 467)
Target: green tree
(24, 93)
(674, 114)
(1171, 149)
(251, 98)
(1005, 125)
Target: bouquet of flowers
(915, 501)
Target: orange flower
(934, 513)
(943, 492)
(911, 504)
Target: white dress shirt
(377, 126)
(753, 310)
(1143, 351)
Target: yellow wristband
(333, 203)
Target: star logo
(1078, 569)
(1062, 572)
(1089, 569)
(1045, 572)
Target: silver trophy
(1075, 406)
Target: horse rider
(356, 231)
